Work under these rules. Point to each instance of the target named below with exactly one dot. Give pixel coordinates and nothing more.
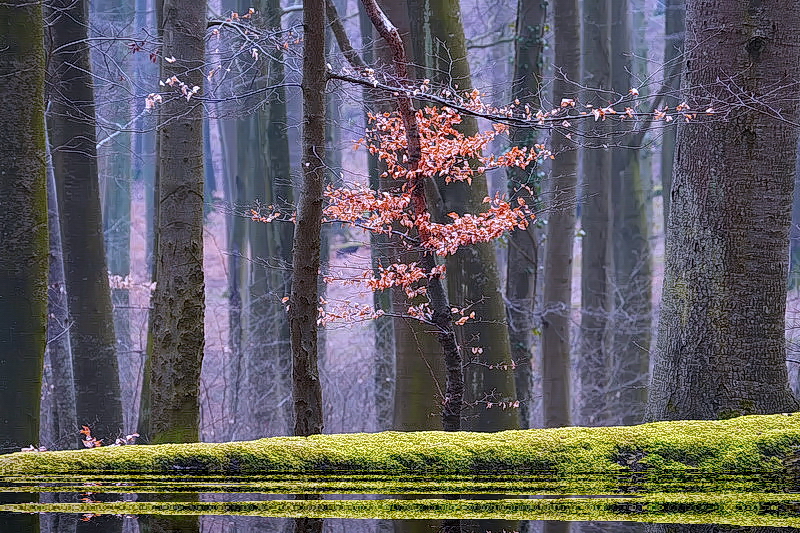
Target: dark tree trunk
(178, 301)
(23, 223)
(472, 273)
(595, 218)
(71, 121)
(557, 304)
(721, 340)
(304, 298)
(523, 245)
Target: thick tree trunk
(721, 340)
(523, 245)
(472, 273)
(595, 218)
(629, 363)
(556, 380)
(178, 300)
(304, 298)
(71, 121)
(23, 223)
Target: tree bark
(721, 341)
(629, 363)
(523, 245)
(178, 301)
(560, 230)
(304, 298)
(472, 273)
(71, 121)
(595, 218)
(674, 12)
(23, 223)
(58, 416)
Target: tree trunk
(595, 218)
(384, 326)
(71, 121)
(59, 419)
(721, 340)
(560, 230)
(110, 17)
(674, 11)
(23, 219)
(267, 350)
(304, 299)
(178, 300)
(629, 363)
(472, 274)
(523, 245)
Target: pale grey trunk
(556, 379)
(59, 418)
(628, 365)
(674, 13)
(721, 341)
(595, 218)
(178, 301)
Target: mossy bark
(721, 339)
(472, 273)
(23, 222)
(178, 301)
(71, 123)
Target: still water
(385, 504)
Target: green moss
(754, 509)
(741, 446)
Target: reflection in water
(713, 528)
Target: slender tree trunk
(721, 340)
(674, 14)
(23, 219)
(111, 17)
(560, 230)
(178, 300)
(629, 364)
(384, 326)
(267, 348)
(523, 245)
(304, 299)
(72, 123)
(472, 273)
(59, 418)
(595, 218)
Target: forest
(226, 220)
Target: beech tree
(177, 330)
(23, 219)
(71, 124)
(721, 345)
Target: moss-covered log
(763, 445)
